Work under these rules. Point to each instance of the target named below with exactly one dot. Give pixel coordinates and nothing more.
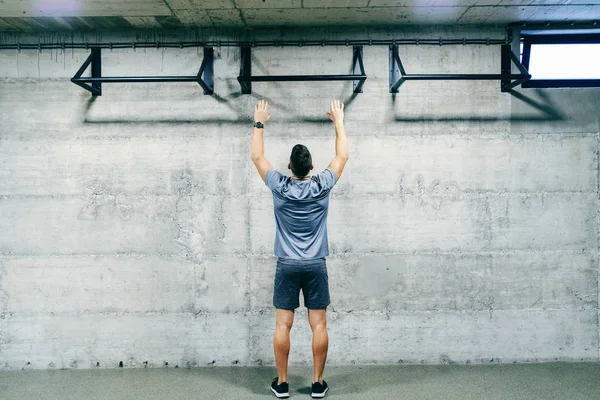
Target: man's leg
(320, 341)
(281, 342)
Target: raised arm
(336, 115)
(257, 147)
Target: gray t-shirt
(300, 208)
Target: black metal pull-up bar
(204, 77)
(245, 78)
(398, 75)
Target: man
(301, 204)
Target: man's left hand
(261, 112)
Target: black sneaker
(282, 391)
(319, 390)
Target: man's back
(301, 208)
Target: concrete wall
(135, 228)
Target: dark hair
(301, 160)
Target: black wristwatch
(259, 125)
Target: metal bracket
(94, 59)
(398, 75)
(246, 71)
(206, 70)
(358, 68)
(397, 72)
(507, 57)
(205, 77)
(246, 78)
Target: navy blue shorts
(310, 276)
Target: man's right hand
(336, 112)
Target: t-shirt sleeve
(327, 178)
(273, 178)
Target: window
(565, 60)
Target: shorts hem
(318, 307)
(286, 308)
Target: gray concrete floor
(569, 381)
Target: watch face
(259, 125)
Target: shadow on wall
(549, 112)
(242, 118)
(222, 100)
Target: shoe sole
(319, 395)
(280, 395)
